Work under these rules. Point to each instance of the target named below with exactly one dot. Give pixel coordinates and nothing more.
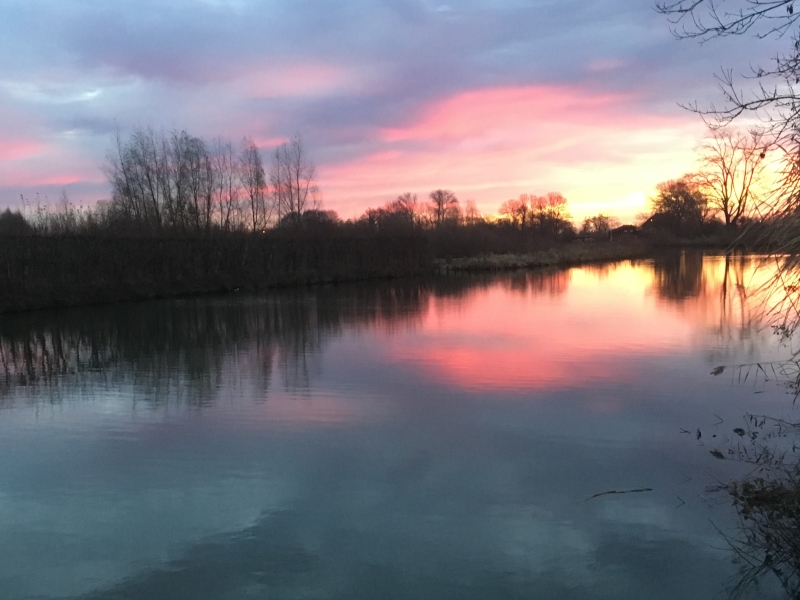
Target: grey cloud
(421, 51)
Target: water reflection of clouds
(379, 472)
(352, 527)
(501, 339)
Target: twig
(636, 491)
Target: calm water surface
(419, 439)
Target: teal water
(411, 439)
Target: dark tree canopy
(401, 214)
(679, 206)
(13, 223)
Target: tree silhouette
(679, 206)
(293, 178)
(254, 183)
(732, 163)
(549, 214)
(443, 207)
(517, 210)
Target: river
(443, 438)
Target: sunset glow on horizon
(494, 144)
(488, 101)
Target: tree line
(731, 187)
(547, 215)
(179, 181)
(179, 184)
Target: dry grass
(573, 254)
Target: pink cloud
(19, 149)
(269, 142)
(493, 144)
(481, 113)
(32, 177)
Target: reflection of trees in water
(767, 540)
(187, 348)
(552, 282)
(679, 275)
(767, 499)
(723, 295)
(740, 329)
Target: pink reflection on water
(531, 333)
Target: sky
(488, 98)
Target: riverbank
(566, 255)
(50, 272)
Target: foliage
(312, 219)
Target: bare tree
(180, 182)
(227, 186)
(775, 91)
(174, 180)
(549, 214)
(471, 213)
(200, 178)
(159, 181)
(406, 205)
(517, 210)
(254, 183)
(398, 215)
(293, 176)
(136, 172)
(732, 163)
(443, 207)
(599, 224)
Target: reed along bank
(53, 271)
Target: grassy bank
(575, 253)
(54, 271)
(44, 272)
